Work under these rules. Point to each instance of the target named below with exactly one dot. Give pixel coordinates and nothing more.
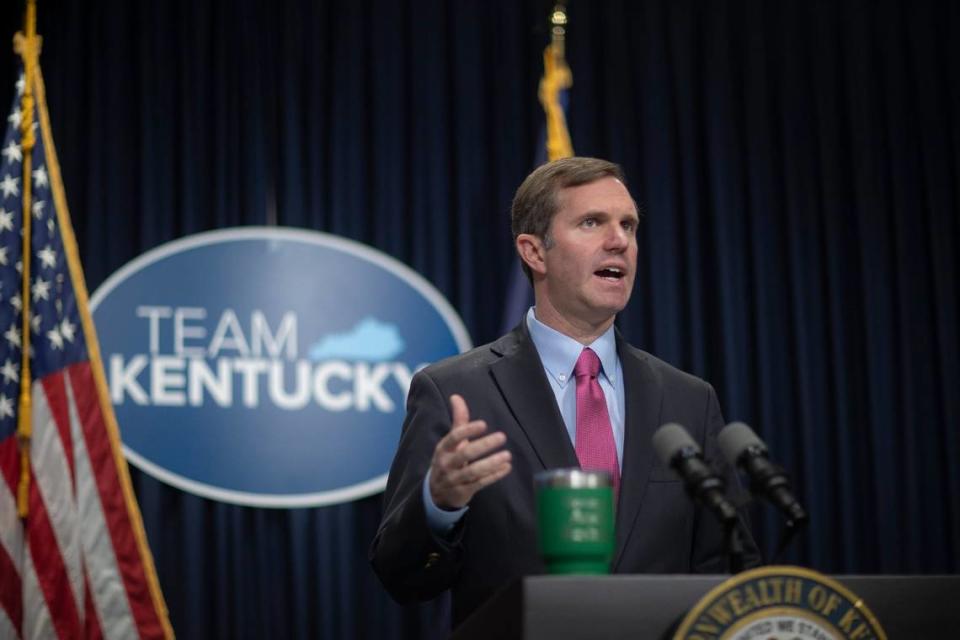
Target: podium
(651, 606)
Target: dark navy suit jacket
(658, 528)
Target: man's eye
(589, 222)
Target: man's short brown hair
(535, 202)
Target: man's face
(591, 264)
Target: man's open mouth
(610, 273)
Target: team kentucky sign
(268, 367)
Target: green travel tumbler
(575, 518)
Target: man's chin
(611, 302)
(604, 309)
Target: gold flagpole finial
(558, 28)
(27, 44)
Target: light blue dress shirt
(558, 355)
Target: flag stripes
(112, 559)
(68, 543)
(50, 569)
(54, 538)
(11, 602)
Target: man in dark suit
(459, 507)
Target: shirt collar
(559, 352)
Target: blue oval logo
(268, 367)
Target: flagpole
(28, 46)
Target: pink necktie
(595, 447)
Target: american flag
(77, 566)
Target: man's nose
(617, 238)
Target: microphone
(678, 450)
(743, 448)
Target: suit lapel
(643, 398)
(523, 383)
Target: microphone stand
(734, 546)
(791, 528)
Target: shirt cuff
(440, 521)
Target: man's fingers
(461, 433)
(470, 450)
(459, 411)
(480, 469)
(498, 473)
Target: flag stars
(9, 372)
(35, 321)
(40, 178)
(14, 118)
(56, 340)
(13, 336)
(6, 220)
(21, 83)
(47, 256)
(3, 256)
(16, 302)
(9, 186)
(40, 290)
(37, 208)
(6, 406)
(50, 225)
(12, 153)
(67, 330)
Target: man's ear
(531, 251)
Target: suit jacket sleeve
(410, 560)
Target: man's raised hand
(463, 462)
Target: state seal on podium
(780, 603)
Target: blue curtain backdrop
(798, 164)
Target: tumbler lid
(573, 478)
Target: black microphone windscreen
(735, 438)
(670, 439)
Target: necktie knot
(588, 364)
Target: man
(459, 510)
